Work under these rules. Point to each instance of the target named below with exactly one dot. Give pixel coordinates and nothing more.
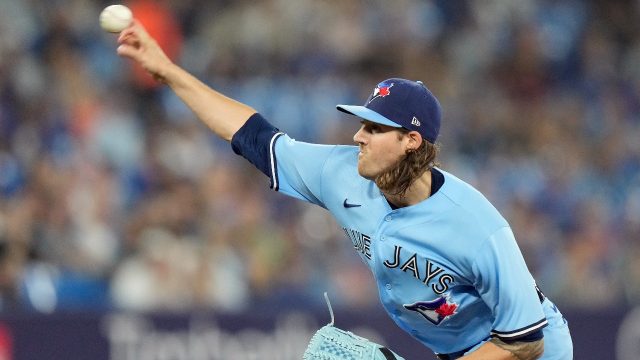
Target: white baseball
(115, 18)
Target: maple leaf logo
(384, 91)
(446, 309)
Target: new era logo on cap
(401, 103)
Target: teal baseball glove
(331, 343)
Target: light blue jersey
(448, 269)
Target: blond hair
(399, 178)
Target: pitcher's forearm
(496, 349)
(223, 115)
(489, 351)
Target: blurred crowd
(113, 195)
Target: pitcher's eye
(371, 127)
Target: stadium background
(115, 200)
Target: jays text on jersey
(448, 269)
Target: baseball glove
(331, 343)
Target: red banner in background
(6, 341)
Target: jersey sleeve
(254, 141)
(295, 168)
(506, 286)
(299, 169)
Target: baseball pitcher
(448, 269)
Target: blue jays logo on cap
(436, 311)
(383, 89)
(401, 103)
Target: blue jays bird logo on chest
(436, 311)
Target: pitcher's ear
(415, 140)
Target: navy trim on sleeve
(255, 141)
(534, 336)
(520, 333)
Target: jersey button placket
(379, 269)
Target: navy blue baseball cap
(401, 103)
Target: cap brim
(367, 114)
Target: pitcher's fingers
(128, 39)
(126, 33)
(139, 29)
(128, 51)
(134, 29)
